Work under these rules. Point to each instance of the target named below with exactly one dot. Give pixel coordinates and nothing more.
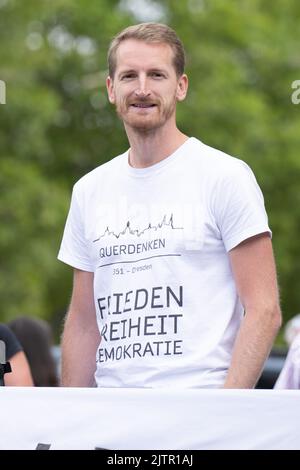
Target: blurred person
(35, 337)
(174, 275)
(20, 374)
(289, 377)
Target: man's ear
(182, 87)
(110, 89)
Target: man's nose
(142, 89)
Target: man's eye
(157, 75)
(128, 76)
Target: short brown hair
(149, 33)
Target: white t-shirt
(289, 377)
(157, 241)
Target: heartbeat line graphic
(129, 230)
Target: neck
(150, 147)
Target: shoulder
(12, 344)
(101, 173)
(214, 159)
(6, 333)
(216, 164)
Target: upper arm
(82, 307)
(254, 271)
(83, 291)
(81, 335)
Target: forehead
(133, 53)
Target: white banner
(78, 418)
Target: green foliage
(55, 127)
(57, 124)
(32, 212)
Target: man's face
(145, 87)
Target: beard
(148, 120)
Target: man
(170, 244)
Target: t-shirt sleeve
(12, 345)
(239, 206)
(74, 249)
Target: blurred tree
(57, 124)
